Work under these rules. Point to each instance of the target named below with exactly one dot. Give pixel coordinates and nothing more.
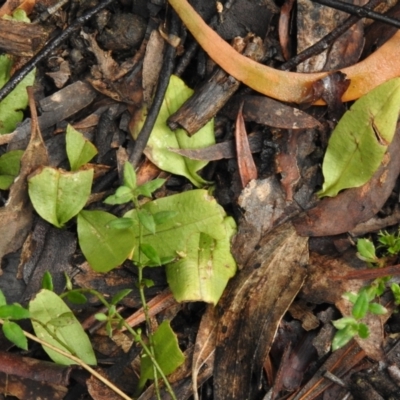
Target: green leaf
(121, 223)
(104, 247)
(129, 175)
(10, 164)
(360, 307)
(122, 195)
(352, 297)
(395, 288)
(101, 317)
(11, 107)
(79, 150)
(363, 331)
(377, 309)
(343, 322)
(359, 141)
(71, 338)
(202, 272)
(343, 336)
(76, 297)
(148, 188)
(47, 281)
(167, 353)
(366, 250)
(3, 300)
(15, 334)
(162, 138)
(120, 295)
(147, 220)
(163, 216)
(57, 195)
(13, 311)
(151, 253)
(62, 320)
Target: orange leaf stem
(291, 87)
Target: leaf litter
(242, 332)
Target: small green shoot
(79, 150)
(11, 330)
(364, 301)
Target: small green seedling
(364, 301)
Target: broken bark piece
(20, 38)
(251, 309)
(214, 93)
(26, 389)
(342, 213)
(55, 108)
(264, 205)
(269, 112)
(220, 150)
(37, 370)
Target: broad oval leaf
(79, 150)
(359, 142)
(105, 247)
(58, 195)
(199, 236)
(162, 138)
(166, 351)
(71, 338)
(10, 163)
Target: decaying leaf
(204, 350)
(16, 215)
(252, 307)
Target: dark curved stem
(163, 81)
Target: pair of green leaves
(59, 195)
(360, 140)
(53, 322)
(195, 240)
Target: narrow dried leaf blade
(247, 168)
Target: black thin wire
(48, 48)
(359, 11)
(326, 41)
(163, 81)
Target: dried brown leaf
(247, 168)
(252, 307)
